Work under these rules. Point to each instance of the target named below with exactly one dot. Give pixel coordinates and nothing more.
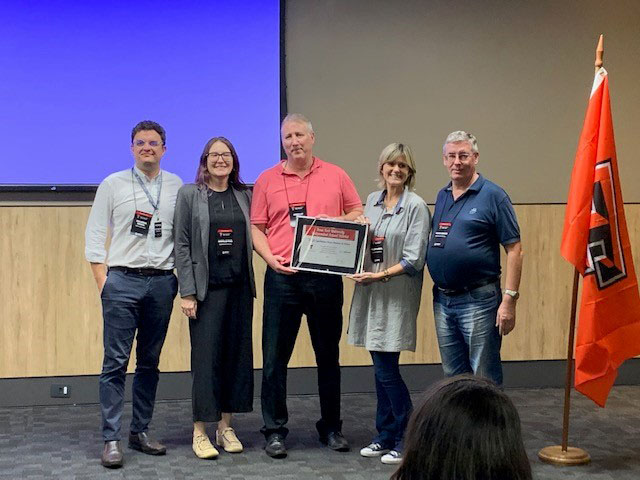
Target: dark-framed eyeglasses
(215, 156)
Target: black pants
(286, 299)
(221, 353)
(131, 303)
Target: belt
(468, 288)
(147, 272)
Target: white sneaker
(392, 458)
(373, 450)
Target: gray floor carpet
(64, 441)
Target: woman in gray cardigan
(213, 252)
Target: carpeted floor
(64, 441)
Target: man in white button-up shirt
(133, 213)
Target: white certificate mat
(328, 246)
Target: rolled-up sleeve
(416, 238)
(98, 224)
(182, 245)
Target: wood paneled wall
(51, 322)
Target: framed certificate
(328, 246)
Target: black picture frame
(361, 228)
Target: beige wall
(516, 73)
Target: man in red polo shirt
(299, 185)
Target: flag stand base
(556, 456)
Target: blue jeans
(394, 402)
(131, 303)
(286, 299)
(468, 338)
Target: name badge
(377, 249)
(440, 235)
(157, 229)
(224, 242)
(296, 210)
(141, 223)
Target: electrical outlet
(60, 391)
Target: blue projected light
(75, 77)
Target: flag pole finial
(599, 53)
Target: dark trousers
(222, 353)
(133, 303)
(286, 299)
(394, 401)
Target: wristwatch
(512, 293)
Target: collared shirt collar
(144, 177)
(399, 206)
(316, 164)
(475, 186)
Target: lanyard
(384, 212)
(155, 204)
(286, 192)
(377, 264)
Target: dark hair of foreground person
(464, 428)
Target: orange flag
(596, 241)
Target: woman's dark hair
(465, 428)
(202, 174)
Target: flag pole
(599, 53)
(564, 454)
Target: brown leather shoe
(111, 455)
(142, 442)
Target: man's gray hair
(461, 136)
(298, 118)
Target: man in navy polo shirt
(472, 218)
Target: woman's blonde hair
(392, 152)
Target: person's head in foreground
(465, 428)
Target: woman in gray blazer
(213, 253)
